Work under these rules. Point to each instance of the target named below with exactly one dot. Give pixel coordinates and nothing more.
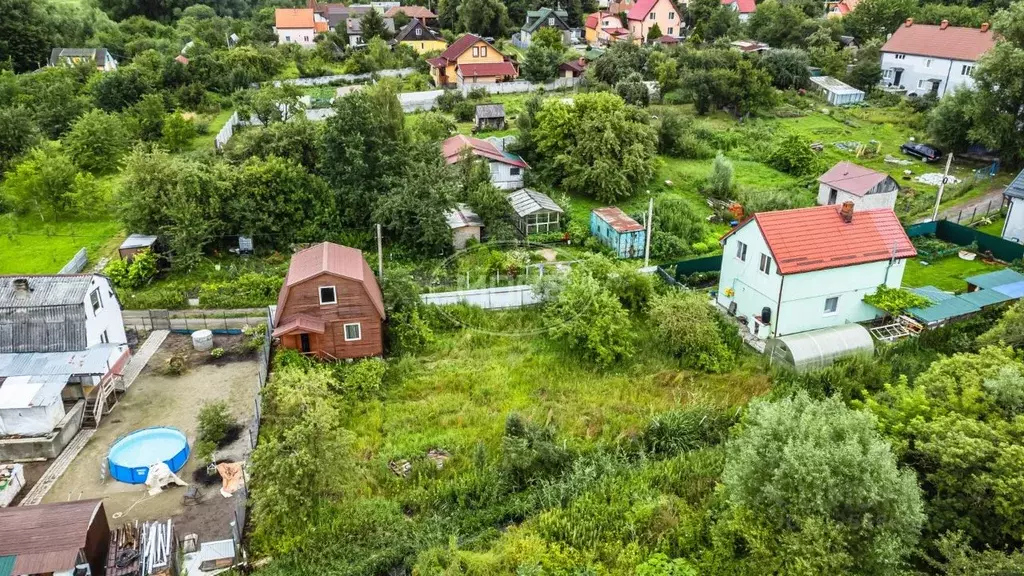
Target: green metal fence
(964, 236)
(705, 264)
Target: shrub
(203, 451)
(214, 422)
(141, 269)
(686, 325)
(633, 90)
(690, 428)
(446, 102)
(176, 365)
(792, 154)
(720, 179)
(217, 352)
(895, 301)
(363, 378)
(591, 319)
(464, 111)
(164, 299)
(529, 452)
(250, 290)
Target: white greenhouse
(837, 93)
(819, 348)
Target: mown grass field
(29, 247)
(946, 273)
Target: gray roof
(526, 202)
(91, 361)
(97, 54)
(462, 216)
(138, 241)
(338, 14)
(1016, 188)
(408, 32)
(355, 25)
(537, 18)
(490, 110)
(50, 318)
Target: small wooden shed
(489, 117)
(136, 243)
(465, 225)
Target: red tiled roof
(954, 43)
(592, 20)
(617, 31)
(456, 49)
(333, 259)
(808, 239)
(302, 323)
(488, 69)
(742, 6)
(452, 150)
(852, 178)
(437, 62)
(293, 18)
(181, 59)
(420, 12)
(641, 9)
(617, 219)
(577, 65)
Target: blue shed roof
(997, 278)
(932, 293)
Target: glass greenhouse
(819, 348)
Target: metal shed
(136, 243)
(819, 348)
(837, 93)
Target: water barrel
(202, 340)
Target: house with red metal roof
(298, 25)
(745, 8)
(330, 305)
(507, 169)
(849, 182)
(921, 58)
(471, 60)
(792, 271)
(618, 231)
(646, 13)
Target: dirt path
(990, 200)
(157, 400)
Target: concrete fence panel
(487, 298)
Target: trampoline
(131, 456)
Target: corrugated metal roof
(932, 293)
(335, 259)
(1016, 188)
(6, 565)
(46, 528)
(944, 310)
(43, 329)
(617, 219)
(994, 279)
(490, 110)
(462, 217)
(55, 290)
(139, 240)
(90, 361)
(47, 562)
(983, 298)
(852, 178)
(526, 202)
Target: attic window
(551, 21)
(327, 295)
(419, 32)
(94, 299)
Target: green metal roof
(7, 565)
(932, 293)
(985, 298)
(944, 310)
(536, 18)
(993, 279)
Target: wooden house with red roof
(330, 305)
(471, 60)
(646, 13)
(792, 271)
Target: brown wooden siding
(354, 305)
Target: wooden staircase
(101, 403)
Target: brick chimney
(984, 27)
(846, 213)
(909, 22)
(944, 25)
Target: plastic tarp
(232, 477)
(160, 475)
(30, 406)
(818, 348)
(12, 480)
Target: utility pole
(942, 186)
(650, 227)
(380, 256)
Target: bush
(720, 179)
(203, 451)
(447, 101)
(792, 154)
(217, 353)
(176, 365)
(686, 325)
(464, 112)
(214, 422)
(363, 378)
(164, 299)
(633, 90)
(250, 290)
(591, 319)
(682, 136)
(686, 429)
(124, 275)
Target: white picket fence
(488, 298)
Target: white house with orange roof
(923, 58)
(646, 13)
(298, 25)
(791, 271)
(745, 8)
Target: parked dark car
(922, 151)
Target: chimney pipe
(909, 22)
(20, 287)
(984, 27)
(944, 25)
(846, 213)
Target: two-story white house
(298, 25)
(923, 59)
(507, 169)
(849, 182)
(791, 271)
(1013, 227)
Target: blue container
(131, 455)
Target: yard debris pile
(439, 457)
(935, 178)
(850, 146)
(890, 159)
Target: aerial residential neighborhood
(484, 287)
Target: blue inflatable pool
(131, 456)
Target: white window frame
(835, 306)
(476, 51)
(515, 171)
(419, 32)
(344, 332)
(669, 30)
(766, 264)
(104, 339)
(320, 295)
(671, 15)
(96, 300)
(551, 21)
(920, 83)
(483, 51)
(741, 251)
(928, 63)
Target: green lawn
(946, 274)
(30, 247)
(995, 228)
(214, 123)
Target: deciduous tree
(97, 142)
(46, 183)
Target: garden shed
(136, 243)
(535, 213)
(819, 348)
(489, 117)
(837, 93)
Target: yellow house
(471, 60)
(420, 38)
